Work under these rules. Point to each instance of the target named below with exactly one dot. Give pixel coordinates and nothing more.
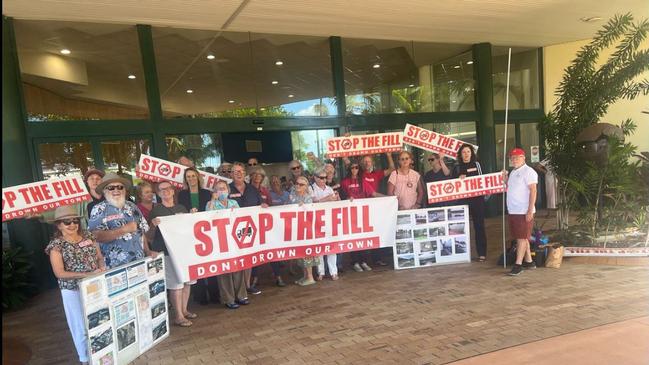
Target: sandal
(482, 259)
(185, 323)
(334, 277)
(319, 278)
(190, 315)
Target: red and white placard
(211, 243)
(364, 144)
(446, 190)
(432, 141)
(42, 196)
(156, 170)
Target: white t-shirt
(518, 189)
(318, 193)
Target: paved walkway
(425, 316)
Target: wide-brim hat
(65, 212)
(93, 172)
(111, 177)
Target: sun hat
(65, 212)
(111, 177)
(93, 172)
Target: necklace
(409, 184)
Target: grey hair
(319, 171)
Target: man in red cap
(521, 196)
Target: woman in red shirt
(355, 187)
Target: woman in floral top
(300, 195)
(74, 255)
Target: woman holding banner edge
(468, 165)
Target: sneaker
(231, 305)
(280, 283)
(253, 290)
(366, 267)
(529, 265)
(516, 270)
(357, 267)
(244, 301)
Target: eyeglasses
(300, 184)
(252, 164)
(322, 177)
(115, 187)
(68, 222)
(354, 167)
(296, 167)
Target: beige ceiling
(501, 22)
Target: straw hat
(65, 212)
(111, 177)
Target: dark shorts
(519, 228)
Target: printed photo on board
(455, 229)
(460, 245)
(427, 258)
(406, 260)
(126, 336)
(403, 219)
(437, 231)
(404, 247)
(102, 340)
(404, 233)
(420, 218)
(436, 215)
(420, 234)
(159, 330)
(447, 247)
(98, 317)
(156, 288)
(456, 214)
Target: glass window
(500, 143)
(464, 131)
(405, 77)
(65, 159)
(80, 71)
(529, 138)
(206, 150)
(313, 141)
(121, 156)
(292, 75)
(524, 83)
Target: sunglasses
(322, 177)
(252, 164)
(68, 222)
(296, 167)
(300, 184)
(115, 187)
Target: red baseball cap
(517, 152)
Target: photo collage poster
(432, 236)
(125, 310)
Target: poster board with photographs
(432, 236)
(125, 311)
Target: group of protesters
(119, 231)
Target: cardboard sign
(42, 196)
(364, 144)
(156, 170)
(432, 141)
(441, 191)
(217, 242)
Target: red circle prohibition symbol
(448, 188)
(164, 169)
(346, 144)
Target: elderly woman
(179, 291)
(300, 195)
(74, 255)
(257, 177)
(144, 198)
(232, 286)
(194, 199)
(468, 165)
(295, 170)
(405, 183)
(321, 192)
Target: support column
(485, 127)
(16, 165)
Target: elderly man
(117, 224)
(521, 196)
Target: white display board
(432, 236)
(125, 311)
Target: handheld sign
(445, 190)
(364, 144)
(432, 141)
(42, 196)
(156, 170)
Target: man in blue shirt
(117, 224)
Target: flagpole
(509, 61)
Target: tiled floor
(424, 316)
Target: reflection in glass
(524, 87)
(65, 159)
(313, 141)
(406, 77)
(121, 157)
(100, 77)
(464, 131)
(206, 150)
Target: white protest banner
(607, 251)
(42, 196)
(445, 190)
(156, 169)
(217, 242)
(364, 144)
(432, 141)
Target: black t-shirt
(249, 198)
(432, 176)
(469, 169)
(160, 210)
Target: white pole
(509, 62)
